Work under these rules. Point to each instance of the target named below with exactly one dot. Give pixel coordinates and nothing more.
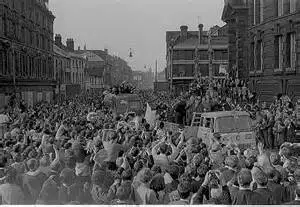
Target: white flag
(150, 116)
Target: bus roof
(224, 114)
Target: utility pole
(156, 71)
(210, 56)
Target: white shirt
(4, 119)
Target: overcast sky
(119, 25)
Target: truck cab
(234, 127)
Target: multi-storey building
(143, 80)
(94, 71)
(235, 14)
(62, 71)
(77, 67)
(273, 39)
(26, 51)
(188, 55)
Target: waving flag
(150, 116)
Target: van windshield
(232, 124)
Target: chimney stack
(183, 32)
(58, 40)
(200, 33)
(70, 44)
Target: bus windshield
(233, 124)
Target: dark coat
(266, 197)
(246, 197)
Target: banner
(150, 116)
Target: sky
(119, 25)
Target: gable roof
(92, 57)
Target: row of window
(189, 71)
(284, 53)
(25, 66)
(12, 30)
(281, 7)
(28, 9)
(96, 80)
(202, 55)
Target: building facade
(94, 72)
(235, 14)
(273, 42)
(26, 51)
(77, 66)
(143, 80)
(62, 71)
(188, 55)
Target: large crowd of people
(80, 152)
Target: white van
(234, 127)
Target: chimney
(58, 40)
(106, 51)
(200, 34)
(78, 48)
(183, 32)
(70, 44)
(84, 47)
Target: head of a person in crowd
(32, 164)
(138, 166)
(232, 162)
(274, 176)
(145, 175)
(157, 183)
(250, 161)
(126, 175)
(244, 178)
(124, 191)
(67, 176)
(184, 190)
(259, 177)
(275, 159)
(156, 169)
(11, 175)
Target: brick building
(235, 14)
(26, 51)
(273, 39)
(188, 55)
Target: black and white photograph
(150, 102)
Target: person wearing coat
(280, 132)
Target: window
(278, 52)
(290, 50)
(280, 7)
(259, 56)
(293, 4)
(252, 52)
(254, 12)
(261, 10)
